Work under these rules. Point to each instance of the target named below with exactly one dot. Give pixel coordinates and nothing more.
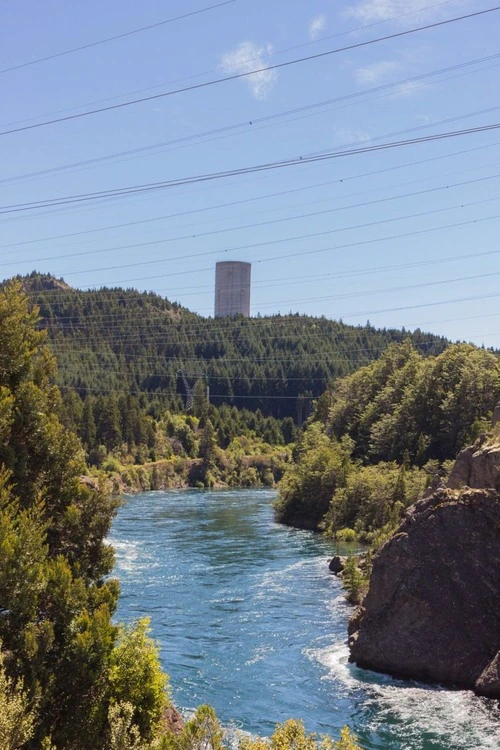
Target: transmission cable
(117, 36)
(250, 122)
(238, 76)
(146, 187)
(269, 222)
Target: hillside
(124, 340)
(380, 435)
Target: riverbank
(227, 470)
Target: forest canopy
(379, 435)
(125, 341)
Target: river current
(249, 620)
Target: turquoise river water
(249, 620)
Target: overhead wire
(265, 167)
(268, 243)
(253, 122)
(338, 180)
(363, 313)
(108, 39)
(345, 274)
(264, 55)
(492, 295)
(242, 75)
(104, 319)
(280, 376)
(281, 220)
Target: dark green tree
(56, 600)
(88, 429)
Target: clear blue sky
(349, 269)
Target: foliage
(427, 407)
(347, 740)
(402, 418)
(292, 736)
(353, 580)
(17, 716)
(136, 678)
(131, 342)
(371, 498)
(119, 431)
(322, 465)
(56, 597)
(123, 733)
(202, 732)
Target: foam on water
(419, 714)
(131, 557)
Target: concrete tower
(232, 288)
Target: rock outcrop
(432, 611)
(477, 466)
(173, 720)
(336, 564)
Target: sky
(401, 236)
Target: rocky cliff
(432, 611)
(477, 466)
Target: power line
(58, 324)
(295, 217)
(286, 281)
(115, 37)
(277, 377)
(238, 76)
(176, 393)
(412, 307)
(370, 173)
(146, 187)
(252, 59)
(306, 359)
(268, 243)
(364, 271)
(255, 121)
(367, 292)
(272, 195)
(339, 357)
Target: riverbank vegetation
(211, 446)
(379, 436)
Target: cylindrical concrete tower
(232, 288)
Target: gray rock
(496, 414)
(488, 683)
(477, 466)
(432, 611)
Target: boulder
(477, 466)
(488, 682)
(436, 484)
(496, 415)
(336, 564)
(460, 473)
(173, 720)
(432, 611)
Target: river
(249, 620)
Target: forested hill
(124, 340)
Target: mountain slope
(124, 340)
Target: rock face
(477, 466)
(173, 720)
(432, 611)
